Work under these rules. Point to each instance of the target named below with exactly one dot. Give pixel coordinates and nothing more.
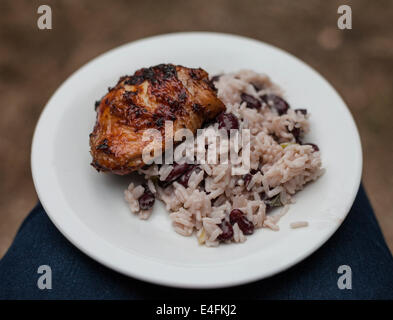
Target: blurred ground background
(33, 63)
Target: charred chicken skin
(146, 100)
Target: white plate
(89, 209)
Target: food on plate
(207, 199)
(298, 224)
(146, 100)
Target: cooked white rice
(298, 224)
(285, 167)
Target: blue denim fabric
(358, 243)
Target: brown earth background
(33, 63)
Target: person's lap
(358, 243)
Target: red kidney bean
(314, 146)
(227, 231)
(276, 102)
(245, 225)
(227, 121)
(146, 200)
(303, 111)
(177, 171)
(247, 177)
(235, 215)
(252, 102)
(164, 184)
(183, 180)
(296, 133)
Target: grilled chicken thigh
(146, 100)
